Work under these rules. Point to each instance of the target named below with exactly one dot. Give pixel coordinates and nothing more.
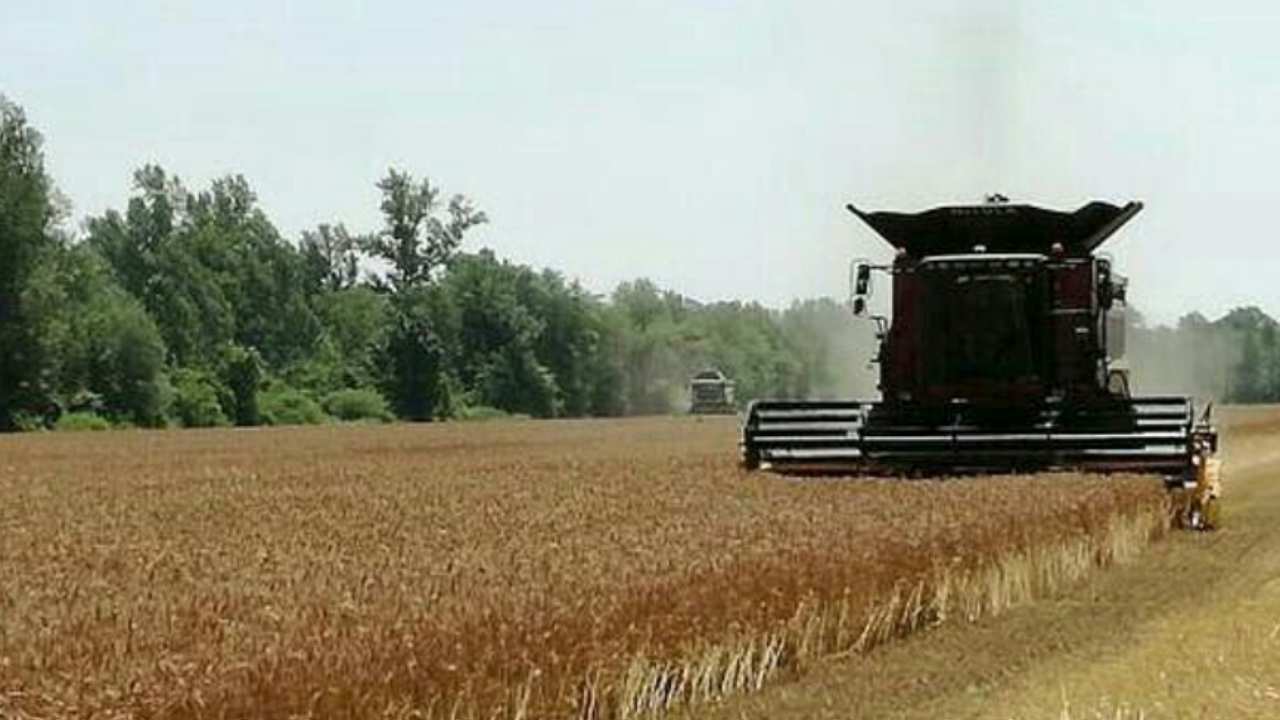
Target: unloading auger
(999, 358)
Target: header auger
(999, 358)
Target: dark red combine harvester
(998, 358)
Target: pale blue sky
(709, 145)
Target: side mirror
(859, 286)
(862, 280)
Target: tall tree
(27, 216)
(210, 268)
(419, 237)
(147, 250)
(133, 244)
(419, 234)
(261, 276)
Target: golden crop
(560, 568)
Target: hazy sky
(709, 146)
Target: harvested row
(588, 569)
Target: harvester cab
(1002, 354)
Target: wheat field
(590, 569)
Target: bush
(127, 361)
(242, 375)
(195, 400)
(81, 421)
(28, 422)
(283, 405)
(357, 404)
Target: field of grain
(1190, 631)
(536, 569)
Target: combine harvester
(999, 358)
(711, 393)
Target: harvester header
(999, 356)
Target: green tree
(101, 350)
(283, 405)
(261, 276)
(211, 269)
(605, 364)
(195, 399)
(1247, 385)
(569, 339)
(503, 315)
(420, 235)
(242, 375)
(126, 363)
(419, 238)
(641, 303)
(330, 257)
(27, 218)
(653, 370)
(356, 322)
(415, 360)
(832, 350)
(1270, 346)
(133, 243)
(146, 249)
(512, 379)
(1244, 329)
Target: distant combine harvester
(711, 393)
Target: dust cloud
(1195, 358)
(851, 348)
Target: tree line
(187, 307)
(1235, 358)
